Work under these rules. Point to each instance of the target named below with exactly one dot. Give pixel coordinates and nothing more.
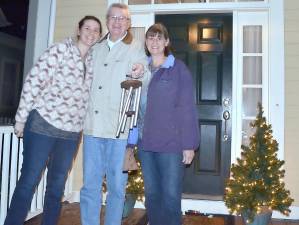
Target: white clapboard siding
(291, 97)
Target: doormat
(195, 218)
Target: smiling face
(157, 40)
(89, 32)
(156, 44)
(118, 22)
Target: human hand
(188, 156)
(19, 129)
(137, 70)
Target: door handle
(226, 117)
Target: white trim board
(197, 7)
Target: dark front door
(204, 43)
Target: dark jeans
(41, 151)
(163, 176)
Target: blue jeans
(162, 176)
(102, 156)
(41, 151)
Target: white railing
(11, 158)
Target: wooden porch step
(70, 215)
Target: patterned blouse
(58, 87)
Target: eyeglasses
(118, 18)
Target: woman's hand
(188, 156)
(19, 129)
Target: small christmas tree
(257, 179)
(135, 184)
(135, 181)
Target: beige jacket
(110, 68)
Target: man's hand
(188, 156)
(137, 70)
(19, 129)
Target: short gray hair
(120, 6)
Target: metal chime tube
(123, 114)
(138, 93)
(121, 104)
(124, 121)
(134, 109)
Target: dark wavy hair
(158, 29)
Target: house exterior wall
(291, 97)
(70, 11)
(68, 14)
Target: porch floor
(70, 215)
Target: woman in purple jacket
(169, 127)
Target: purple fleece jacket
(170, 121)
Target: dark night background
(16, 13)
(13, 26)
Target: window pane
(247, 131)
(252, 70)
(177, 1)
(139, 2)
(192, 1)
(222, 0)
(251, 96)
(252, 39)
(165, 1)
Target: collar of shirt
(111, 43)
(169, 62)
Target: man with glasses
(115, 57)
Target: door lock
(226, 117)
(225, 102)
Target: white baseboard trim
(33, 214)
(203, 206)
(74, 196)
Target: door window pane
(247, 131)
(252, 70)
(252, 39)
(251, 96)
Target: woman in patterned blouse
(50, 117)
